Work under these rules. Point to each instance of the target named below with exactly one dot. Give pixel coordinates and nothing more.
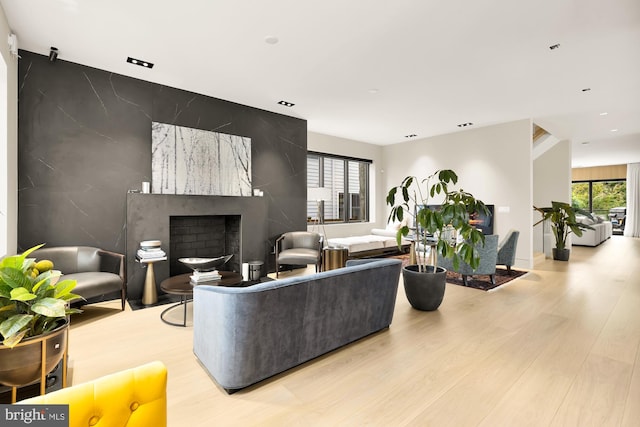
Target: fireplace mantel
(148, 218)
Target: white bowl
(150, 244)
(205, 264)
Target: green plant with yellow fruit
(32, 299)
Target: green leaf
(12, 340)
(391, 196)
(64, 287)
(13, 324)
(8, 307)
(405, 194)
(43, 279)
(71, 297)
(15, 278)
(17, 261)
(5, 291)
(21, 294)
(49, 307)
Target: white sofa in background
(602, 230)
(368, 245)
(381, 241)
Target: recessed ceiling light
(271, 40)
(413, 135)
(586, 89)
(286, 103)
(464, 125)
(139, 62)
(373, 91)
(554, 46)
(604, 113)
(614, 130)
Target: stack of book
(150, 251)
(204, 276)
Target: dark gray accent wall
(84, 140)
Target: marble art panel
(199, 162)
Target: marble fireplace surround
(148, 218)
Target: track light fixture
(53, 54)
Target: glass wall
(603, 198)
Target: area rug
(481, 282)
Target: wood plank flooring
(557, 347)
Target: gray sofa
(244, 335)
(100, 274)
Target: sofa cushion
(94, 283)
(298, 256)
(359, 243)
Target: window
(599, 197)
(336, 176)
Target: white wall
(552, 182)
(345, 147)
(8, 144)
(494, 163)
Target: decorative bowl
(205, 264)
(149, 244)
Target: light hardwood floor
(558, 347)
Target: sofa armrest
(115, 263)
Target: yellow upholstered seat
(133, 397)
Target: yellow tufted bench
(133, 397)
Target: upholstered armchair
(99, 274)
(133, 397)
(488, 257)
(507, 249)
(298, 248)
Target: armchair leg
(509, 269)
(493, 279)
(464, 280)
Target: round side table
(334, 257)
(181, 285)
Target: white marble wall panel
(199, 162)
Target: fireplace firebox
(203, 236)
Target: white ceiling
(375, 70)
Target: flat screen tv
(478, 220)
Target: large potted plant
(34, 309)
(445, 232)
(562, 217)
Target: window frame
(344, 206)
(590, 182)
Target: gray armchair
(507, 250)
(298, 248)
(100, 274)
(488, 257)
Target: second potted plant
(444, 231)
(563, 222)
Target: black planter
(22, 364)
(424, 291)
(561, 254)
